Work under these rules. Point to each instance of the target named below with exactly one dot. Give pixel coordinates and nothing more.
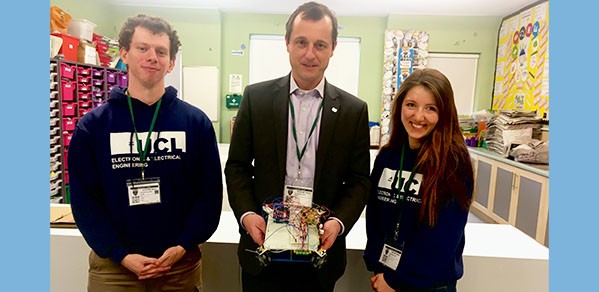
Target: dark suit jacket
(341, 179)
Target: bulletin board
(404, 51)
(522, 70)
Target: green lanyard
(143, 153)
(301, 154)
(405, 190)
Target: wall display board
(404, 51)
(522, 70)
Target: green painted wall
(209, 36)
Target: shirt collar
(293, 87)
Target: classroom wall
(209, 36)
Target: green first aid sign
(233, 100)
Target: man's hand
(171, 256)
(379, 284)
(144, 267)
(255, 225)
(331, 230)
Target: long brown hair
(443, 158)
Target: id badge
(299, 196)
(390, 256)
(143, 192)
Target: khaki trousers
(107, 276)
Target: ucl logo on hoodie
(161, 143)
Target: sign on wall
(522, 70)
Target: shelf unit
(75, 89)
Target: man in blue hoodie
(145, 176)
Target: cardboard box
(87, 53)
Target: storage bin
(123, 79)
(69, 109)
(55, 149)
(69, 46)
(110, 77)
(98, 93)
(81, 28)
(54, 131)
(84, 79)
(85, 87)
(83, 71)
(84, 95)
(68, 89)
(66, 160)
(68, 124)
(67, 71)
(66, 138)
(83, 111)
(85, 104)
(98, 73)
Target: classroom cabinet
(75, 89)
(510, 192)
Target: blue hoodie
(431, 256)
(183, 154)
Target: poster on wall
(522, 70)
(404, 51)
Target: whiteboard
(200, 88)
(269, 60)
(461, 70)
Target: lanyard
(406, 185)
(301, 154)
(143, 153)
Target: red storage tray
(83, 111)
(68, 124)
(68, 89)
(85, 71)
(69, 109)
(69, 47)
(67, 71)
(66, 138)
(85, 87)
(84, 95)
(66, 159)
(85, 104)
(84, 79)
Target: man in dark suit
(299, 130)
